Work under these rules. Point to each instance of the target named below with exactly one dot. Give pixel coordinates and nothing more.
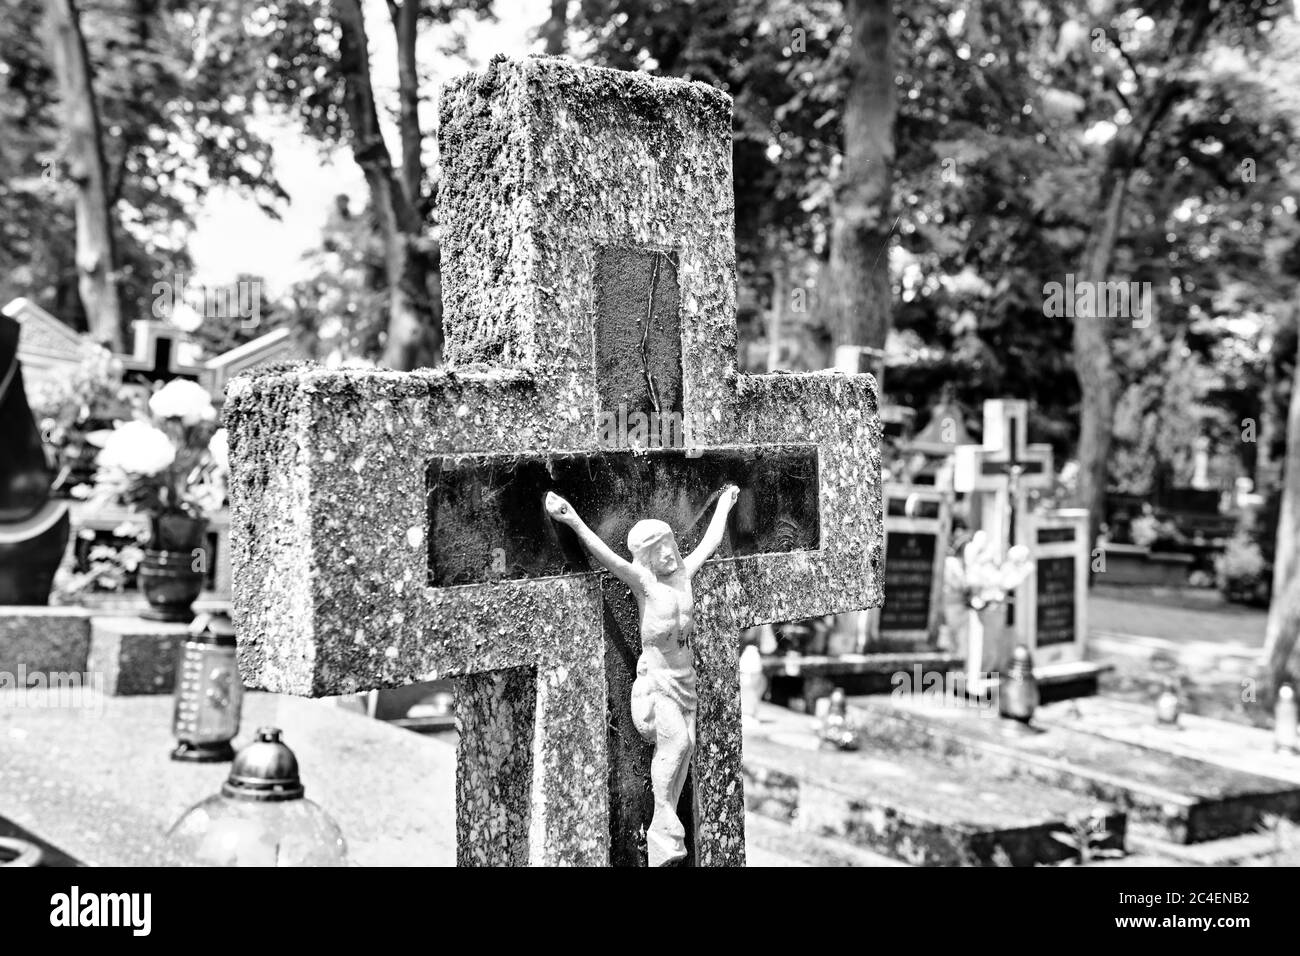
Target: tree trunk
(555, 27)
(414, 335)
(859, 262)
(774, 317)
(1093, 364)
(1281, 649)
(96, 251)
(1266, 428)
(405, 21)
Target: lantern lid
(1022, 662)
(265, 770)
(215, 628)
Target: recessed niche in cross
(389, 528)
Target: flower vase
(171, 572)
(986, 641)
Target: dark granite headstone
(1055, 593)
(909, 581)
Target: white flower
(185, 400)
(138, 448)
(185, 317)
(219, 449)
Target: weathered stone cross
(388, 527)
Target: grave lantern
(1168, 705)
(208, 692)
(261, 817)
(1284, 721)
(1018, 690)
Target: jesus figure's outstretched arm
(563, 512)
(713, 535)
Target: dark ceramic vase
(176, 531)
(170, 583)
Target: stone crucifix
(663, 696)
(389, 528)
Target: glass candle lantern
(1168, 705)
(1018, 689)
(261, 817)
(208, 692)
(1284, 721)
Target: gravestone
(998, 475)
(49, 350)
(274, 347)
(1056, 620)
(928, 456)
(388, 528)
(918, 528)
(160, 352)
(1054, 598)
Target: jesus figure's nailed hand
(559, 509)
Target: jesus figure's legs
(674, 745)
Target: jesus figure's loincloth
(656, 682)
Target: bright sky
(233, 236)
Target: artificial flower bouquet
(980, 578)
(169, 463)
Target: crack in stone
(645, 333)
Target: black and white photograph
(800, 434)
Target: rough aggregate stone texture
(545, 164)
(134, 656)
(44, 640)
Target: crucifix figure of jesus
(663, 695)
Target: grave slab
(134, 656)
(44, 639)
(812, 676)
(771, 843)
(904, 803)
(1227, 744)
(1167, 796)
(97, 781)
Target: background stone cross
(386, 526)
(1004, 469)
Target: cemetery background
(976, 188)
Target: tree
(415, 321)
(317, 64)
(96, 255)
(554, 29)
(169, 78)
(860, 288)
(1281, 644)
(1151, 85)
